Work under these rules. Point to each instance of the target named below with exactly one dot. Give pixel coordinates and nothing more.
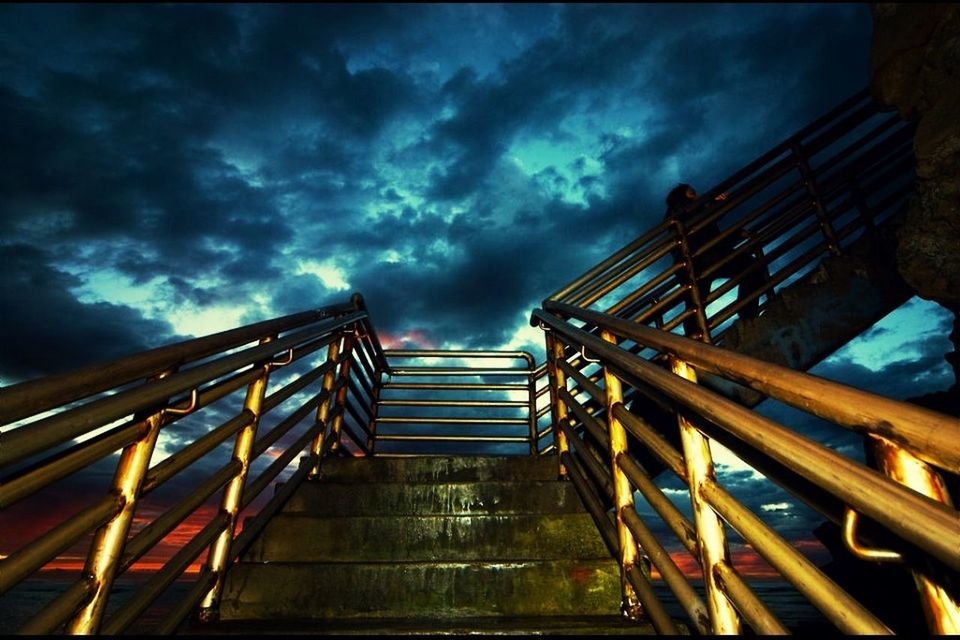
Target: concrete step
(421, 499)
(302, 538)
(534, 625)
(282, 591)
(441, 469)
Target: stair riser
(324, 591)
(292, 538)
(440, 469)
(464, 498)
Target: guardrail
(458, 401)
(58, 426)
(811, 196)
(905, 500)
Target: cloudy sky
(171, 171)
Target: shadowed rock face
(915, 67)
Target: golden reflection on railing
(906, 497)
(129, 404)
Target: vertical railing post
(323, 410)
(110, 539)
(700, 308)
(374, 410)
(342, 379)
(940, 606)
(711, 538)
(809, 183)
(532, 407)
(219, 555)
(558, 410)
(623, 491)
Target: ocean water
(20, 604)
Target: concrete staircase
(428, 544)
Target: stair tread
(506, 625)
(294, 590)
(438, 469)
(391, 538)
(429, 498)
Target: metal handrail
(834, 176)
(493, 407)
(906, 497)
(181, 380)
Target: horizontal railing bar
(177, 462)
(458, 353)
(267, 440)
(931, 436)
(157, 530)
(162, 579)
(357, 382)
(931, 526)
(592, 424)
(172, 620)
(654, 442)
(543, 411)
(584, 383)
(256, 487)
(453, 386)
(452, 403)
(585, 454)
(352, 437)
(602, 287)
(35, 396)
(253, 526)
(784, 147)
(691, 603)
(52, 616)
(835, 603)
(361, 423)
(546, 430)
(757, 615)
(662, 622)
(591, 500)
(565, 291)
(43, 434)
(688, 598)
(60, 465)
(646, 287)
(44, 548)
(458, 371)
(668, 512)
(362, 402)
(401, 438)
(438, 420)
(280, 395)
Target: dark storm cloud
(47, 330)
(215, 146)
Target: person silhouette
(682, 206)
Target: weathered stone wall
(915, 67)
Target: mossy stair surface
(407, 541)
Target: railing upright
(711, 539)
(623, 497)
(323, 409)
(340, 400)
(558, 409)
(106, 549)
(218, 557)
